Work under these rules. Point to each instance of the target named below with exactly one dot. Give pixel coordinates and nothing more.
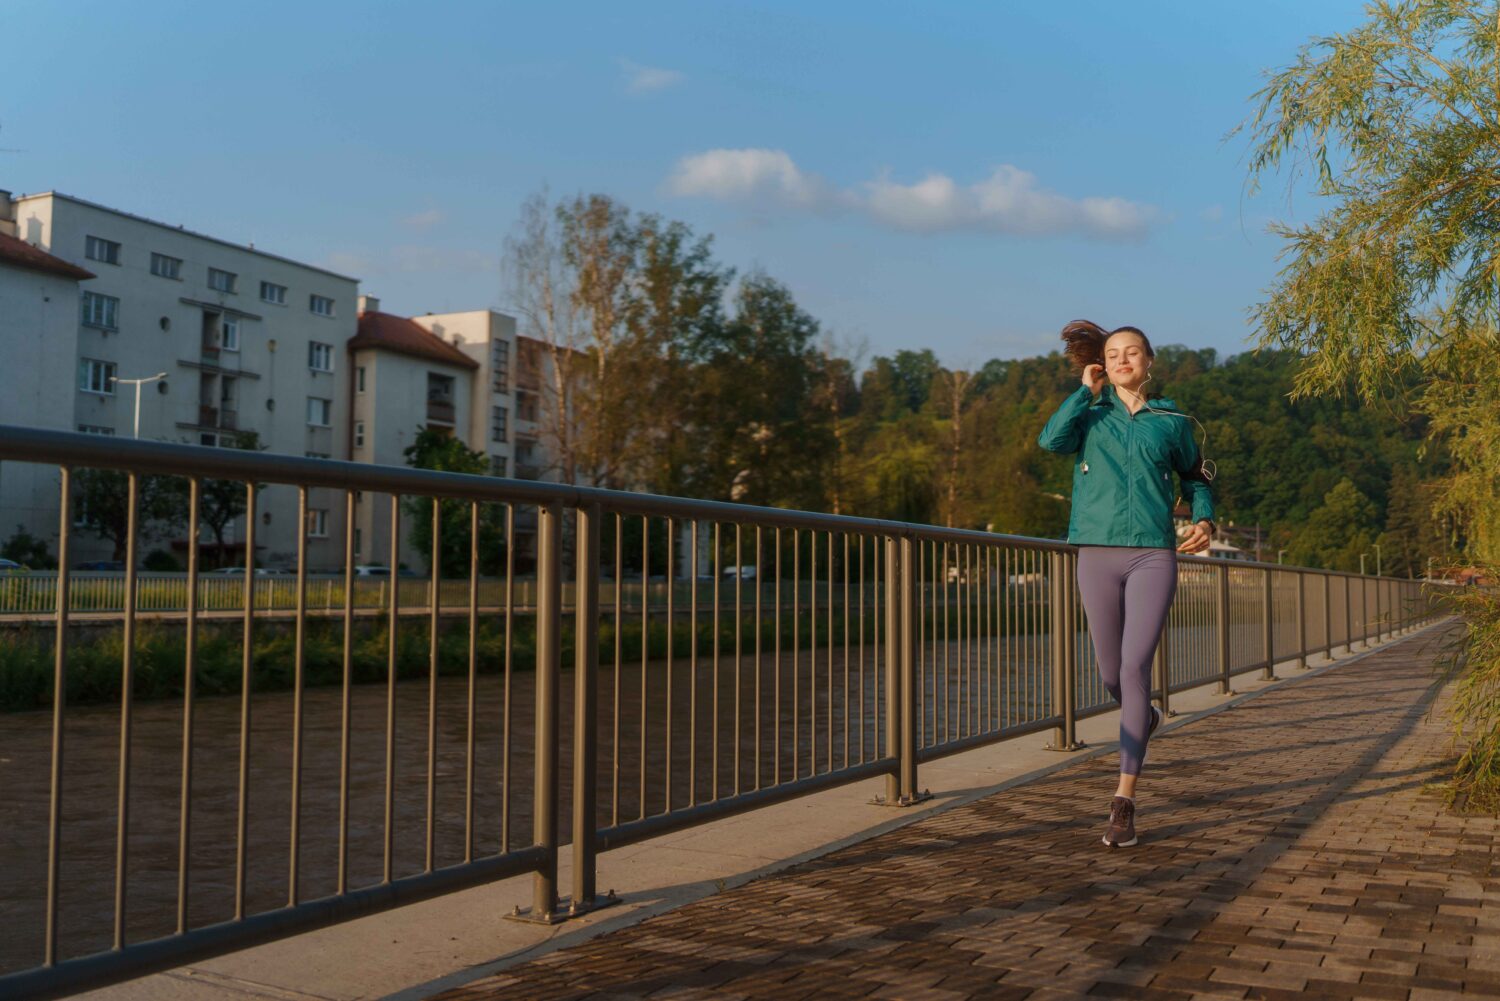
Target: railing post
(1327, 615)
(1221, 619)
(1064, 701)
(1268, 629)
(548, 672)
(1348, 616)
(1163, 665)
(1301, 620)
(895, 643)
(908, 575)
(586, 713)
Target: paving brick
(1287, 853)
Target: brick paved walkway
(1288, 850)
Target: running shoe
(1121, 830)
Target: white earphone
(1209, 470)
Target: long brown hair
(1086, 342)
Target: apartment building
(243, 341)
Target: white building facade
(247, 341)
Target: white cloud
(648, 79)
(1212, 214)
(424, 220)
(736, 174)
(1010, 200)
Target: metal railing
(181, 828)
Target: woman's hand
(1093, 377)
(1197, 537)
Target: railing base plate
(903, 801)
(1077, 745)
(566, 908)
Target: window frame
(111, 320)
(312, 356)
(279, 299)
(313, 299)
(110, 249)
(89, 367)
(233, 281)
(327, 409)
(172, 269)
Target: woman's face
(1125, 359)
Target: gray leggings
(1127, 592)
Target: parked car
(743, 573)
(372, 570)
(116, 565)
(11, 566)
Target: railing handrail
(77, 449)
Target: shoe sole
(1121, 844)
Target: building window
(319, 412)
(166, 267)
(96, 376)
(317, 523)
(320, 357)
(317, 455)
(501, 366)
(359, 379)
(222, 281)
(273, 293)
(100, 311)
(95, 429)
(209, 438)
(359, 434)
(497, 424)
(229, 333)
(320, 304)
(497, 465)
(97, 248)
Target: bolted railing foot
(567, 908)
(902, 801)
(1076, 745)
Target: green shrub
(1472, 659)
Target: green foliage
(1472, 661)
(1393, 289)
(434, 449)
(27, 550)
(101, 499)
(161, 561)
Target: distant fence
(865, 648)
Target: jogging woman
(1125, 451)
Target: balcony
(527, 471)
(217, 417)
(440, 410)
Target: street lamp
(1377, 559)
(137, 384)
(1279, 554)
(1362, 564)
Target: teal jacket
(1122, 469)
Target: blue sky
(966, 177)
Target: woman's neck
(1132, 397)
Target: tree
(1397, 278)
(1338, 531)
(220, 502)
(101, 499)
(434, 449)
(27, 550)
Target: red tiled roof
(397, 333)
(19, 253)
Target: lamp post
(137, 383)
(1362, 564)
(1377, 559)
(1279, 554)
